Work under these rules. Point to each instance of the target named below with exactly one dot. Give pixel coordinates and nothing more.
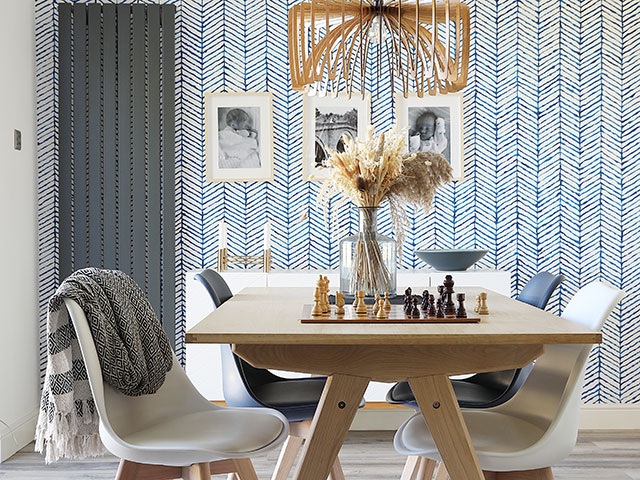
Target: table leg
(338, 405)
(440, 408)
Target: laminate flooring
(367, 456)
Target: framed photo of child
(434, 124)
(327, 120)
(238, 137)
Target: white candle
(222, 236)
(267, 236)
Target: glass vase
(368, 259)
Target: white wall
(19, 375)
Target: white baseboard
(19, 434)
(610, 417)
(592, 417)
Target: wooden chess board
(395, 315)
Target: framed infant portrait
(327, 120)
(238, 136)
(434, 124)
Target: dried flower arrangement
(371, 172)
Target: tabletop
(272, 316)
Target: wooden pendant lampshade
(425, 44)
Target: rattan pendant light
(424, 43)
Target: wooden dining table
(264, 325)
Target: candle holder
(224, 259)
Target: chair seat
(469, 394)
(502, 442)
(202, 437)
(297, 392)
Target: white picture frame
(442, 113)
(318, 138)
(239, 136)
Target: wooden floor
(369, 456)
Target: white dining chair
(175, 432)
(538, 427)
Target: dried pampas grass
(376, 170)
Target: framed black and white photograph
(327, 121)
(434, 124)
(238, 136)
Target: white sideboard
(203, 361)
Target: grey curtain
(116, 127)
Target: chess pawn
(415, 311)
(361, 309)
(339, 303)
(387, 303)
(439, 309)
(376, 305)
(477, 307)
(317, 308)
(482, 305)
(425, 301)
(431, 312)
(461, 312)
(382, 313)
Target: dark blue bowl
(451, 260)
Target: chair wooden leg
(287, 457)
(538, 474)
(197, 471)
(441, 473)
(127, 470)
(336, 471)
(135, 471)
(411, 468)
(244, 469)
(426, 469)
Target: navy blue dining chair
(247, 386)
(486, 390)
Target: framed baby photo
(327, 121)
(238, 136)
(434, 124)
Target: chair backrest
(238, 377)
(539, 289)
(550, 398)
(121, 414)
(215, 286)
(536, 293)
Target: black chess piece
(408, 304)
(431, 312)
(449, 306)
(439, 310)
(415, 311)
(441, 292)
(425, 301)
(461, 312)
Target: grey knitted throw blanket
(133, 350)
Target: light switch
(17, 140)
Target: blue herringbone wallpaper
(552, 140)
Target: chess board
(395, 315)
